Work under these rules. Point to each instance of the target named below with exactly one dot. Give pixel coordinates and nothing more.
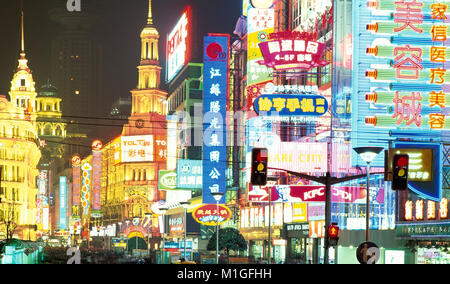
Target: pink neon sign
(292, 50)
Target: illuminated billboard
(400, 62)
(178, 45)
(216, 57)
(136, 148)
(290, 105)
(62, 203)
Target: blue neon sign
(215, 93)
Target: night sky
(118, 31)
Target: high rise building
(76, 59)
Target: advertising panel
(189, 174)
(62, 202)
(215, 92)
(260, 23)
(167, 180)
(76, 179)
(290, 105)
(96, 177)
(401, 87)
(178, 45)
(86, 187)
(208, 215)
(136, 148)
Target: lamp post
(368, 154)
(149, 215)
(127, 222)
(163, 247)
(185, 205)
(135, 223)
(217, 196)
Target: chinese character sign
(86, 187)
(291, 105)
(215, 93)
(62, 203)
(189, 174)
(96, 179)
(401, 55)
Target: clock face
(262, 4)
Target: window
(22, 82)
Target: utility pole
(328, 181)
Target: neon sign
(215, 92)
(402, 83)
(291, 50)
(62, 202)
(96, 176)
(86, 187)
(291, 105)
(208, 215)
(178, 45)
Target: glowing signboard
(86, 187)
(215, 92)
(420, 163)
(208, 215)
(189, 174)
(430, 188)
(76, 178)
(62, 203)
(400, 58)
(136, 148)
(260, 23)
(291, 50)
(291, 105)
(96, 176)
(178, 45)
(167, 180)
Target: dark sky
(118, 31)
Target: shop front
(300, 247)
(254, 226)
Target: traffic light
(259, 166)
(333, 234)
(400, 172)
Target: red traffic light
(402, 161)
(333, 231)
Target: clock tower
(148, 111)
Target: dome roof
(48, 90)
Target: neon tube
(391, 75)
(388, 97)
(389, 28)
(384, 51)
(389, 4)
(384, 121)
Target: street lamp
(217, 196)
(135, 222)
(163, 211)
(149, 215)
(127, 222)
(368, 154)
(185, 205)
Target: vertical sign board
(215, 92)
(178, 45)
(260, 23)
(401, 86)
(62, 203)
(86, 187)
(76, 177)
(96, 179)
(96, 176)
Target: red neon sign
(178, 50)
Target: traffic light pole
(328, 181)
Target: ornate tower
(147, 99)
(23, 93)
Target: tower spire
(150, 16)
(23, 40)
